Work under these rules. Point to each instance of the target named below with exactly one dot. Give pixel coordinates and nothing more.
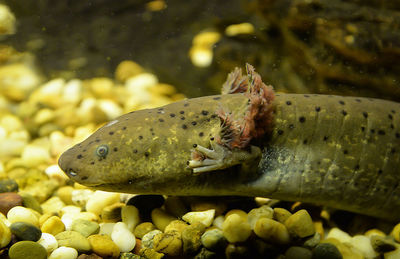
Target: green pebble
(25, 231)
(85, 227)
(129, 256)
(143, 228)
(214, 239)
(206, 254)
(191, 237)
(297, 252)
(73, 239)
(30, 202)
(27, 250)
(326, 251)
(8, 185)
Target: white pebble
(7, 20)
(81, 196)
(72, 92)
(110, 108)
(204, 217)
(101, 199)
(218, 221)
(70, 209)
(106, 228)
(141, 81)
(130, 216)
(122, 237)
(257, 213)
(339, 235)
(363, 244)
(22, 214)
(34, 155)
(49, 242)
(64, 252)
(67, 219)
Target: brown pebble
(9, 200)
(91, 256)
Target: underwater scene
(200, 129)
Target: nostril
(72, 172)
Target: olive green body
(337, 151)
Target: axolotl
(342, 152)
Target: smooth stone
(9, 200)
(339, 234)
(326, 251)
(160, 218)
(65, 194)
(112, 213)
(236, 228)
(129, 256)
(300, 224)
(27, 250)
(25, 231)
(146, 204)
(233, 251)
(143, 228)
(204, 217)
(91, 256)
(382, 244)
(191, 237)
(21, 214)
(53, 225)
(130, 216)
(122, 237)
(5, 234)
(148, 239)
(100, 199)
(242, 214)
(394, 254)
(257, 213)
(177, 225)
(103, 246)
(206, 254)
(374, 231)
(281, 215)
(64, 253)
(313, 241)
(54, 205)
(80, 197)
(8, 185)
(169, 243)
(297, 252)
(396, 233)
(49, 242)
(272, 231)
(73, 239)
(85, 227)
(214, 240)
(150, 253)
(363, 244)
(106, 228)
(29, 201)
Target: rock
(191, 237)
(214, 240)
(148, 238)
(127, 69)
(53, 205)
(143, 228)
(21, 214)
(374, 231)
(396, 233)
(237, 251)
(9, 200)
(204, 217)
(103, 246)
(394, 254)
(297, 252)
(85, 227)
(65, 194)
(80, 197)
(91, 256)
(146, 204)
(53, 225)
(205, 203)
(272, 231)
(257, 213)
(112, 213)
(339, 235)
(150, 253)
(240, 213)
(175, 206)
(27, 250)
(326, 251)
(236, 228)
(281, 215)
(160, 218)
(130, 216)
(72, 209)
(25, 231)
(122, 237)
(29, 201)
(313, 241)
(218, 221)
(8, 185)
(363, 244)
(300, 224)
(177, 225)
(73, 239)
(381, 244)
(100, 199)
(5, 234)
(64, 253)
(169, 243)
(7, 21)
(206, 254)
(347, 250)
(129, 256)
(106, 228)
(49, 242)
(35, 154)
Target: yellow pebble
(53, 225)
(103, 246)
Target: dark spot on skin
(212, 138)
(381, 132)
(397, 135)
(115, 149)
(194, 145)
(184, 126)
(372, 131)
(97, 140)
(302, 119)
(151, 129)
(186, 104)
(391, 126)
(362, 128)
(91, 142)
(393, 111)
(380, 171)
(146, 154)
(160, 120)
(288, 102)
(84, 150)
(182, 118)
(135, 151)
(305, 141)
(341, 102)
(306, 95)
(84, 177)
(160, 109)
(79, 156)
(345, 152)
(393, 151)
(365, 114)
(325, 138)
(280, 132)
(111, 132)
(92, 163)
(390, 116)
(182, 112)
(194, 123)
(172, 115)
(344, 113)
(357, 167)
(213, 116)
(217, 98)
(291, 126)
(153, 134)
(358, 100)
(203, 112)
(124, 128)
(201, 134)
(317, 109)
(140, 137)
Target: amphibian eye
(102, 151)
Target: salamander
(337, 151)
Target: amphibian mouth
(337, 151)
